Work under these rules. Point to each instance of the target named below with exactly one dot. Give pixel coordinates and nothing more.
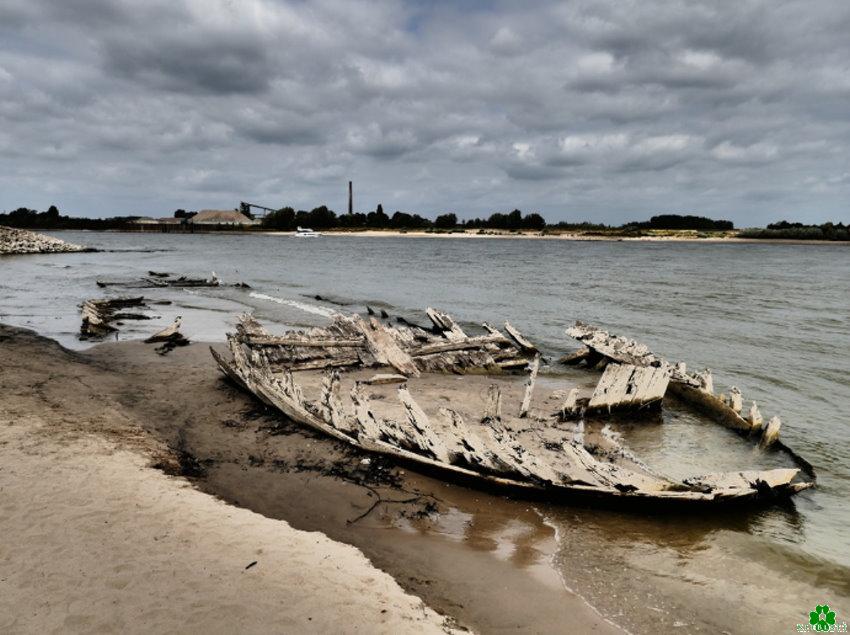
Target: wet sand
(77, 431)
(488, 562)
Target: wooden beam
(529, 386)
(519, 338)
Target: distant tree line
(678, 221)
(288, 219)
(51, 219)
(799, 231)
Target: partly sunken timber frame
(496, 448)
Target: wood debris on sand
(483, 428)
(169, 338)
(99, 317)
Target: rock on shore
(21, 241)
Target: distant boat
(306, 232)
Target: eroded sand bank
(94, 539)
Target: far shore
(654, 236)
(684, 236)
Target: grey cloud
(213, 66)
(590, 108)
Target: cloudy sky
(606, 110)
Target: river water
(772, 319)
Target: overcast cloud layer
(608, 110)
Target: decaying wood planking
(161, 279)
(629, 386)
(501, 449)
(695, 388)
(97, 315)
(351, 341)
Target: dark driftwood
(97, 315)
(161, 279)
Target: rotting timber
(451, 403)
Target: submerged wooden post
(706, 381)
(755, 418)
(771, 433)
(736, 400)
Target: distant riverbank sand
(673, 237)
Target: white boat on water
(306, 232)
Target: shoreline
(492, 234)
(116, 406)
(558, 567)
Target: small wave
(303, 306)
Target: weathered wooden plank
(519, 338)
(493, 407)
(576, 357)
(512, 363)
(97, 314)
(283, 340)
(316, 363)
(385, 349)
(384, 378)
(533, 367)
(445, 323)
(625, 351)
(168, 333)
(427, 439)
(456, 345)
(366, 424)
(623, 385)
(330, 403)
(459, 362)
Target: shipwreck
(475, 408)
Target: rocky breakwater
(21, 241)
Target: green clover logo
(822, 618)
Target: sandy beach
(98, 515)
(95, 539)
(661, 237)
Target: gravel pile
(21, 241)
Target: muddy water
(772, 319)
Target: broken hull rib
(696, 389)
(489, 456)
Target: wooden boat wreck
(163, 279)
(447, 402)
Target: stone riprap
(22, 241)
